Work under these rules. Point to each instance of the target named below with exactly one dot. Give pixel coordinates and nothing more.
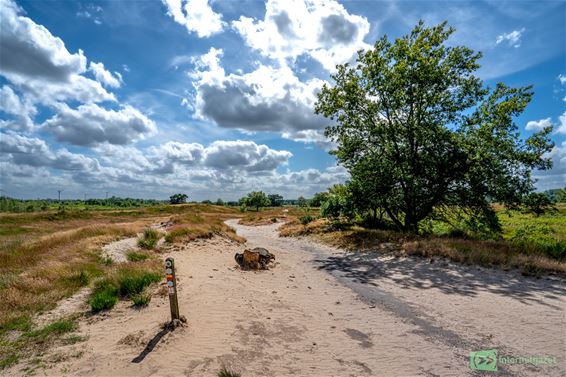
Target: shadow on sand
(449, 277)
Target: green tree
(538, 203)
(318, 199)
(413, 123)
(338, 204)
(256, 199)
(275, 200)
(302, 202)
(562, 196)
(219, 202)
(178, 198)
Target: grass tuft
(141, 300)
(134, 256)
(104, 296)
(149, 239)
(227, 373)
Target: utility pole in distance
(59, 192)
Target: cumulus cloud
(537, 125)
(555, 178)
(562, 126)
(562, 79)
(229, 167)
(323, 30)
(35, 152)
(267, 99)
(245, 155)
(104, 76)
(22, 110)
(513, 39)
(196, 15)
(90, 124)
(38, 62)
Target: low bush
(104, 295)
(306, 219)
(149, 239)
(132, 281)
(141, 299)
(540, 238)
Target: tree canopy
(418, 131)
(256, 199)
(178, 198)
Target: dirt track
(321, 312)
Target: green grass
(34, 341)
(149, 239)
(104, 296)
(126, 282)
(141, 299)
(132, 282)
(56, 328)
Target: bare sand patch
(321, 312)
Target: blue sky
(149, 98)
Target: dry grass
(268, 216)
(202, 222)
(48, 256)
(488, 253)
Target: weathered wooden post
(172, 288)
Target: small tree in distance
(256, 199)
(178, 198)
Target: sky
(215, 98)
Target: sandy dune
(321, 312)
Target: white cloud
(556, 177)
(267, 99)
(562, 126)
(323, 30)
(196, 15)
(244, 155)
(90, 125)
(105, 77)
(538, 124)
(10, 103)
(562, 79)
(513, 38)
(40, 64)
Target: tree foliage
(178, 198)
(538, 203)
(275, 200)
(256, 199)
(418, 131)
(318, 199)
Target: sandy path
(321, 312)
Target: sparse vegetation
(149, 239)
(227, 373)
(127, 281)
(529, 242)
(134, 256)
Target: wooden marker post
(172, 288)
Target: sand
(321, 312)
